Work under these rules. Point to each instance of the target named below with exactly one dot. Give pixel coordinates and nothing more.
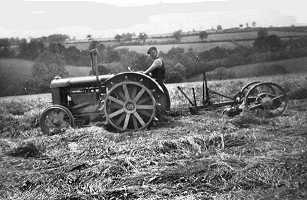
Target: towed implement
(261, 98)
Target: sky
(106, 18)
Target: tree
(177, 35)
(89, 37)
(271, 42)
(72, 56)
(141, 62)
(143, 37)
(127, 36)
(214, 53)
(175, 53)
(219, 27)
(203, 35)
(46, 67)
(93, 44)
(57, 38)
(111, 55)
(56, 48)
(32, 49)
(5, 50)
(118, 37)
(175, 73)
(274, 42)
(102, 69)
(260, 43)
(262, 33)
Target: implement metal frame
(207, 104)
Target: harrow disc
(129, 106)
(266, 99)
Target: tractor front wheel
(56, 119)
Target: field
(197, 47)
(82, 45)
(78, 71)
(15, 72)
(208, 156)
(215, 40)
(294, 65)
(23, 68)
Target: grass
(294, 65)
(22, 69)
(197, 47)
(206, 156)
(78, 70)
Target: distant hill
(22, 69)
(14, 72)
(78, 70)
(192, 40)
(294, 65)
(197, 47)
(16, 67)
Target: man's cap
(151, 49)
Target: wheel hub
(265, 100)
(130, 106)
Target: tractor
(124, 101)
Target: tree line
(50, 57)
(182, 65)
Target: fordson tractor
(124, 101)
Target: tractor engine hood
(78, 81)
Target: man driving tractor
(156, 70)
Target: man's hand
(147, 73)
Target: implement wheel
(56, 119)
(246, 87)
(266, 99)
(129, 106)
(239, 97)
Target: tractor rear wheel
(129, 105)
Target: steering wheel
(130, 69)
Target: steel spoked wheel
(129, 106)
(239, 97)
(55, 120)
(245, 88)
(266, 99)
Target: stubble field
(207, 156)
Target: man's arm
(156, 64)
